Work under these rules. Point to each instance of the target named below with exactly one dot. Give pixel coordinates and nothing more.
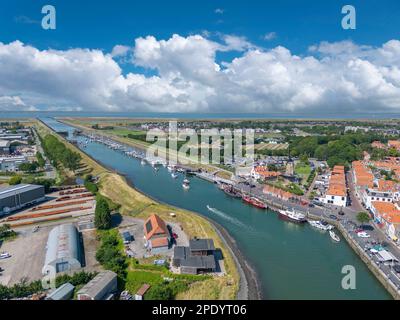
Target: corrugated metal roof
(63, 242)
(62, 292)
(96, 285)
(20, 188)
(4, 143)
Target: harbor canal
(292, 261)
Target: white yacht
(292, 215)
(320, 225)
(334, 236)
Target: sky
(200, 56)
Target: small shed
(101, 287)
(141, 292)
(63, 292)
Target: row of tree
(57, 152)
(336, 149)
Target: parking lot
(135, 227)
(28, 252)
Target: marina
(282, 244)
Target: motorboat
(334, 236)
(186, 186)
(174, 175)
(292, 215)
(320, 225)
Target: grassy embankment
(115, 187)
(120, 135)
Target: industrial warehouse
(16, 197)
(63, 250)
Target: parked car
(363, 234)
(367, 227)
(5, 255)
(127, 237)
(1, 269)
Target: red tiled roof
(337, 182)
(363, 176)
(154, 225)
(387, 210)
(159, 242)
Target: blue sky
(294, 25)
(101, 24)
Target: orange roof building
(363, 177)
(279, 193)
(387, 211)
(394, 144)
(156, 233)
(337, 191)
(262, 172)
(378, 144)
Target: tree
(363, 217)
(6, 232)
(304, 158)
(160, 292)
(15, 180)
(40, 160)
(28, 167)
(102, 215)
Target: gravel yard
(28, 252)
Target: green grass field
(303, 170)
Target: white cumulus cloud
(187, 76)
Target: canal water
(292, 261)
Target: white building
(11, 164)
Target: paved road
(50, 174)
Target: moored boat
(292, 215)
(255, 202)
(186, 186)
(230, 191)
(334, 236)
(320, 225)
